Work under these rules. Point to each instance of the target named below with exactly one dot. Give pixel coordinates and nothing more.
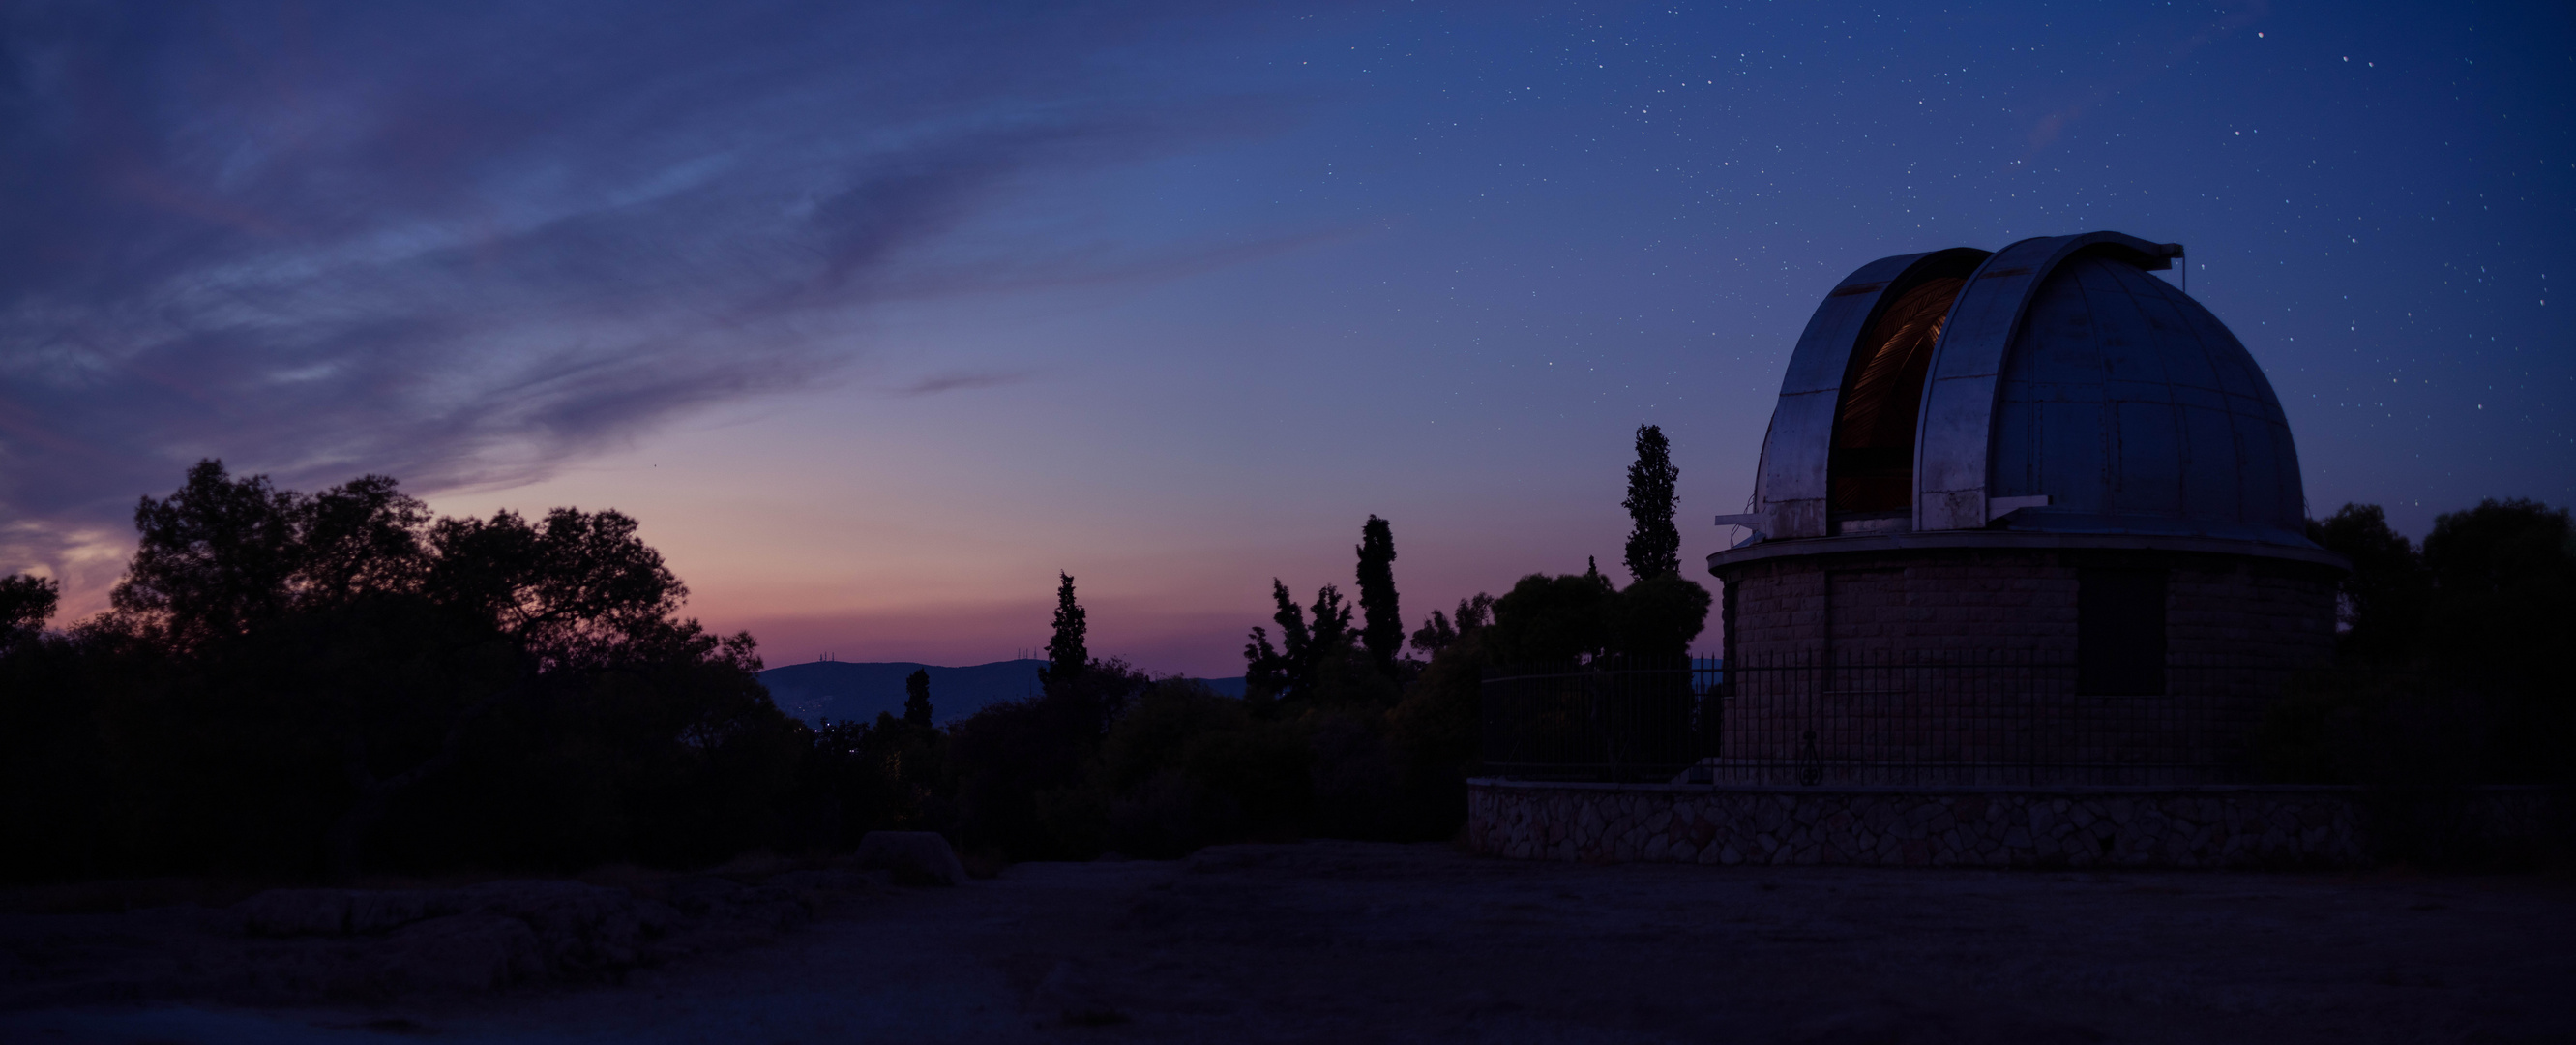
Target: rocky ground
(374, 946)
(1331, 941)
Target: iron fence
(1973, 719)
(1618, 719)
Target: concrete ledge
(2193, 826)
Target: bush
(1187, 767)
(1018, 767)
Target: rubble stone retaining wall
(2165, 827)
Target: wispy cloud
(960, 382)
(461, 248)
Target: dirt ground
(1352, 943)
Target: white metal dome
(2050, 387)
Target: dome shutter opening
(1871, 468)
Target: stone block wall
(2236, 627)
(1893, 603)
(2176, 827)
(2249, 610)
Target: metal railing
(1968, 719)
(1614, 719)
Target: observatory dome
(2131, 408)
(2053, 386)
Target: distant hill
(845, 691)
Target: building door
(2120, 632)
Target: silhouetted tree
(2503, 611)
(222, 556)
(1337, 670)
(1317, 656)
(1187, 767)
(1657, 618)
(1437, 725)
(576, 599)
(1383, 622)
(283, 672)
(2475, 623)
(1435, 632)
(1439, 630)
(856, 777)
(26, 602)
(1265, 670)
(1020, 766)
(574, 588)
(1654, 546)
(1549, 619)
(1295, 640)
(2384, 599)
(1270, 672)
(2493, 587)
(1067, 653)
(1581, 617)
(1331, 627)
(61, 775)
(916, 699)
(2504, 585)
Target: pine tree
(1067, 656)
(1274, 672)
(1296, 643)
(1332, 622)
(1654, 546)
(1265, 672)
(916, 700)
(1382, 623)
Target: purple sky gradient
(877, 319)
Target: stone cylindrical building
(2043, 455)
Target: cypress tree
(1066, 653)
(1654, 546)
(1382, 624)
(1297, 643)
(916, 699)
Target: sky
(879, 316)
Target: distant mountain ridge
(846, 691)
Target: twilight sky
(877, 318)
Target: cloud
(461, 249)
(960, 382)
